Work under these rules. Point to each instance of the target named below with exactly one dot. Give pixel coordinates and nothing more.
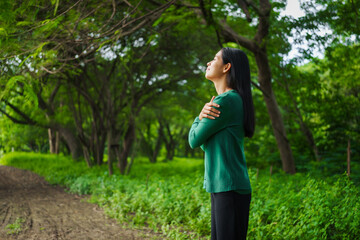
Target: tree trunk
(187, 150)
(348, 158)
(128, 168)
(310, 139)
(170, 152)
(168, 139)
(109, 146)
(170, 149)
(72, 142)
(87, 156)
(126, 146)
(274, 112)
(57, 143)
(98, 141)
(170, 145)
(308, 134)
(101, 148)
(157, 148)
(280, 133)
(52, 140)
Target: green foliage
(14, 83)
(168, 197)
(22, 137)
(169, 58)
(342, 16)
(323, 94)
(15, 227)
(70, 71)
(303, 207)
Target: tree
(63, 45)
(256, 40)
(300, 93)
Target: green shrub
(168, 197)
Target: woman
(220, 130)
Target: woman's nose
(208, 64)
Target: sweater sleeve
(202, 130)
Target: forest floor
(30, 209)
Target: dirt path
(42, 211)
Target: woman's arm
(201, 130)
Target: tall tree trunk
(277, 123)
(348, 157)
(72, 142)
(147, 145)
(187, 147)
(168, 138)
(101, 147)
(309, 136)
(87, 156)
(126, 146)
(170, 144)
(133, 153)
(157, 148)
(52, 140)
(109, 146)
(170, 152)
(57, 142)
(98, 140)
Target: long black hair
(239, 80)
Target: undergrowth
(168, 197)
(15, 228)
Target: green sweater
(222, 139)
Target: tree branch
(260, 88)
(13, 119)
(23, 115)
(231, 36)
(54, 92)
(243, 4)
(264, 21)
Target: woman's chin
(208, 77)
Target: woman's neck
(221, 87)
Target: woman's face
(216, 68)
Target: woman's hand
(209, 111)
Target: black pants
(229, 215)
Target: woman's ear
(227, 68)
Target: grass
(168, 197)
(15, 227)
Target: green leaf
(30, 94)
(102, 44)
(45, 21)
(39, 49)
(36, 53)
(24, 61)
(3, 32)
(11, 84)
(159, 20)
(56, 6)
(23, 23)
